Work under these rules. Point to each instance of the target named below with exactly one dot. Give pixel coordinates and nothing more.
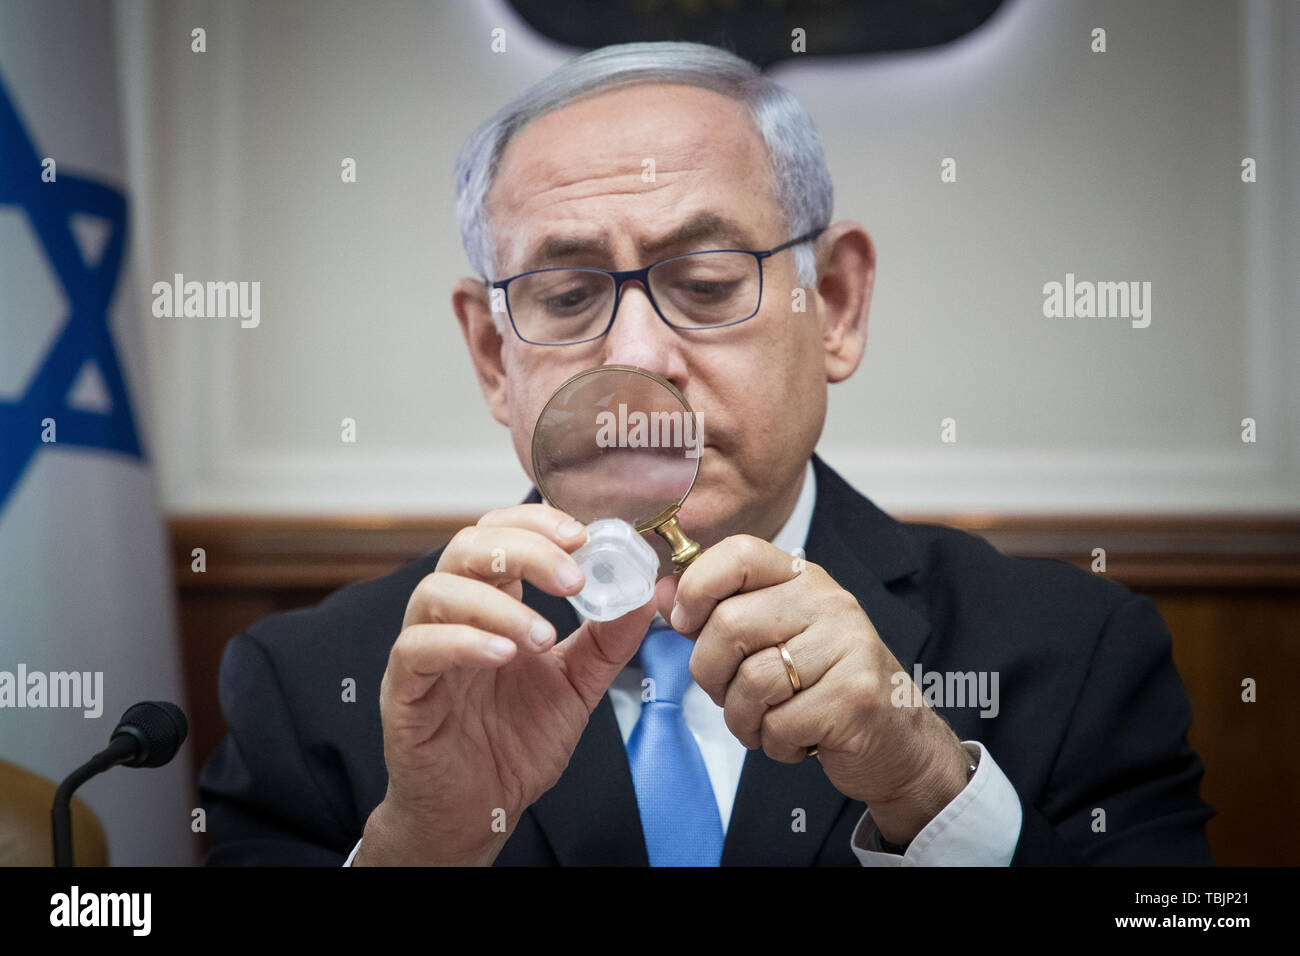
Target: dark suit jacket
(1092, 715)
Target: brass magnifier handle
(666, 526)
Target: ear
(846, 276)
(469, 300)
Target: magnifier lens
(616, 443)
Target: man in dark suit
(823, 685)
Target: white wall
(1115, 166)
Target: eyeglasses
(699, 290)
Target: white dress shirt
(980, 827)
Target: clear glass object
(620, 569)
(618, 447)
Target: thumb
(593, 655)
(665, 595)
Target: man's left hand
(744, 596)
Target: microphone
(148, 735)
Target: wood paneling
(1228, 587)
(1252, 761)
(257, 551)
(1256, 552)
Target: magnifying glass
(618, 447)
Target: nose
(639, 337)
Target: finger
(788, 730)
(762, 682)
(504, 554)
(665, 591)
(562, 528)
(421, 654)
(599, 650)
(443, 598)
(738, 563)
(742, 625)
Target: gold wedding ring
(789, 668)
(794, 681)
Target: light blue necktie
(679, 814)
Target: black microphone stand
(119, 748)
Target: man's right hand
(481, 707)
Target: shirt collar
(794, 533)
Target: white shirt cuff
(980, 827)
(352, 855)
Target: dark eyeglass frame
(643, 276)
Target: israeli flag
(87, 615)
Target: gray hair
(801, 179)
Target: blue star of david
(85, 336)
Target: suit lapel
(863, 549)
(590, 816)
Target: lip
(632, 469)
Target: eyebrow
(702, 225)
